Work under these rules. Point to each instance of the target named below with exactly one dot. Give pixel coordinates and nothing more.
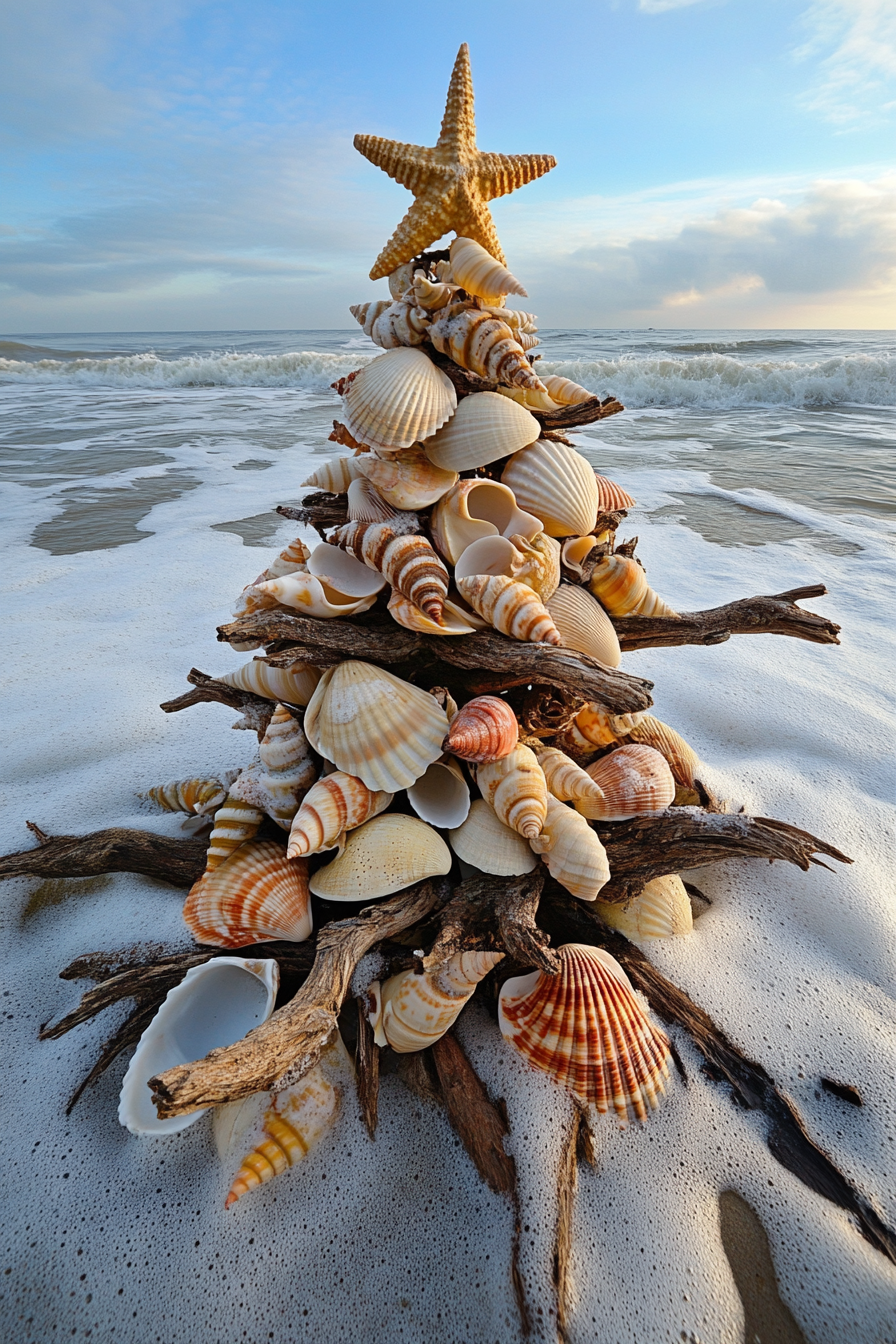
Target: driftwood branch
(777, 615)
(207, 690)
(117, 850)
(478, 1122)
(585, 413)
(495, 911)
(567, 1183)
(319, 510)
(367, 1070)
(516, 905)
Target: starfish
(451, 182)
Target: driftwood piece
(116, 850)
(495, 912)
(476, 1119)
(516, 905)
(367, 1070)
(319, 510)
(585, 413)
(777, 615)
(567, 1183)
(256, 709)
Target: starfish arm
(426, 221)
(409, 165)
(500, 174)
(457, 139)
(476, 222)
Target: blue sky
(189, 165)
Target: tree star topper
(451, 182)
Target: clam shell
(216, 1004)
(398, 399)
(620, 584)
(441, 795)
(556, 484)
(565, 391)
(489, 846)
(477, 271)
(574, 855)
(454, 619)
(474, 509)
(335, 804)
(384, 855)
(290, 685)
(588, 1030)
(584, 625)
(409, 480)
(413, 1010)
(567, 781)
(235, 822)
(335, 476)
(256, 896)
(515, 787)
(661, 910)
(511, 607)
(197, 796)
(486, 729)
(611, 497)
(366, 504)
(682, 758)
(484, 428)
(371, 724)
(636, 782)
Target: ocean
(138, 477)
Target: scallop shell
(484, 428)
(515, 787)
(574, 855)
(489, 846)
(285, 772)
(441, 795)
(365, 504)
(188, 795)
(477, 271)
(371, 724)
(682, 758)
(565, 391)
(384, 855)
(567, 781)
(408, 562)
(412, 1011)
(398, 399)
(235, 823)
(474, 509)
(335, 476)
(396, 324)
(661, 910)
(486, 729)
(636, 782)
(556, 484)
(401, 279)
(511, 607)
(290, 685)
(216, 1004)
(409, 480)
(480, 343)
(611, 498)
(336, 584)
(584, 625)
(620, 584)
(335, 804)
(429, 295)
(454, 619)
(588, 1030)
(255, 896)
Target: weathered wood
(475, 1118)
(256, 709)
(567, 1183)
(116, 850)
(776, 615)
(567, 417)
(319, 510)
(495, 912)
(367, 1070)
(516, 906)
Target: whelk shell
(285, 772)
(290, 685)
(565, 391)
(584, 625)
(611, 498)
(429, 295)
(409, 480)
(477, 271)
(408, 561)
(336, 584)
(598, 726)
(535, 563)
(556, 484)
(620, 584)
(636, 782)
(441, 795)
(489, 846)
(683, 759)
(574, 855)
(235, 823)
(335, 476)
(484, 428)
(567, 781)
(480, 343)
(411, 1011)
(188, 795)
(661, 910)
(515, 787)
(334, 805)
(401, 279)
(474, 509)
(256, 896)
(486, 729)
(289, 560)
(511, 607)
(454, 619)
(398, 399)
(384, 855)
(396, 324)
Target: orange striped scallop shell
(486, 729)
(255, 896)
(611, 498)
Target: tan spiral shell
(409, 480)
(387, 854)
(188, 795)
(584, 625)
(290, 685)
(256, 896)
(485, 427)
(235, 823)
(398, 399)
(331, 807)
(367, 313)
(515, 787)
(394, 325)
(588, 1030)
(401, 279)
(661, 909)
(540, 564)
(611, 498)
(480, 343)
(567, 781)
(431, 295)
(556, 484)
(620, 584)
(474, 509)
(455, 620)
(511, 607)
(488, 845)
(515, 318)
(682, 758)
(325, 597)
(574, 855)
(477, 271)
(485, 729)
(293, 557)
(564, 391)
(635, 781)
(335, 476)
(285, 771)
(525, 396)
(408, 562)
(411, 1011)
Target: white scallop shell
(584, 625)
(384, 855)
(441, 795)
(661, 910)
(484, 428)
(489, 846)
(556, 484)
(398, 399)
(478, 508)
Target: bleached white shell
(335, 475)
(398, 399)
(290, 685)
(488, 555)
(574, 855)
(455, 621)
(484, 428)
(441, 795)
(556, 484)
(565, 391)
(661, 910)
(366, 504)
(216, 1004)
(336, 584)
(584, 625)
(387, 854)
(409, 479)
(474, 509)
(477, 271)
(341, 571)
(485, 842)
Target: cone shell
(335, 804)
(296, 1121)
(286, 757)
(480, 343)
(515, 787)
(484, 428)
(584, 625)
(574, 855)
(565, 392)
(611, 498)
(256, 896)
(366, 314)
(454, 620)
(636, 782)
(486, 729)
(441, 796)
(197, 796)
(384, 855)
(682, 758)
(409, 480)
(661, 910)
(235, 823)
(488, 845)
(511, 607)
(407, 561)
(371, 724)
(412, 1011)
(567, 781)
(477, 271)
(398, 399)
(588, 1030)
(335, 476)
(620, 584)
(474, 509)
(290, 685)
(556, 484)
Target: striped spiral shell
(188, 795)
(335, 476)
(290, 685)
(516, 789)
(431, 295)
(256, 896)
(285, 772)
(411, 1011)
(597, 726)
(574, 855)
(391, 325)
(235, 823)
(567, 781)
(682, 758)
(408, 562)
(564, 391)
(662, 909)
(511, 607)
(477, 271)
(620, 584)
(486, 729)
(480, 343)
(611, 498)
(335, 804)
(635, 781)
(289, 560)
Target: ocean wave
(306, 370)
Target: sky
(188, 165)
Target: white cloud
(854, 42)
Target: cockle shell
(411, 1011)
(574, 855)
(293, 557)
(474, 509)
(480, 343)
(256, 896)
(398, 399)
(484, 428)
(588, 1030)
(387, 854)
(336, 584)
(584, 625)
(198, 796)
(441, 795)
(556, 484)
(682, 758)
(515, 787)
(477, 271)
(486, 729)
(286, 770)
(620, 584)
(408, 562)
(335, 476)
(290, 685)
(371, 724)
(661, 910)
(365, 504)
(334, 805)
(611, 498)
(597, 726)
(488, 845)
(429, 295)
(565, 391)
(393, 325)
(511, 607)
(636, 782)
(216, 1004)
(454, 619)
(567, 781)
(409, 480)
(235, 823)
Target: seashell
(636, 782)
(588, 1030)
(441, 795)
(682, 758)
(367, 313)
(335, 804)
(489, 555)
(336, 584)
(442, 271)
(478, 508)
(335, 476)
(490, 846)
(412, 1011)
(188, 795)
(398, 399)
(486, 729)
(611, 498)
(398, 324)
(216, 1004)
(485, 427)
(620, 584)
(565, 780)
(409, 480)
(661, 910)
(371, 724)
(287, 562)
(408, 562)
(576, 550)
(515, 318)
(235, 822)
(286, 770)
(511, 607)
(339, 433)
(515, 787)
(597, 726)
(480, 343)
(366, 504)
(256, 896)
(564, 391)
(584, 625)
(477, 271)
(533, 401)
(527, 340)
(570, 848)
(556, 484)
(535, 563)
(541, 564)
(429, 295)
(401, 279)
(454, 619)
(290, 685)
(384, 855)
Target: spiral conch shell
(285, 772)
(474, 509)
(620, 584)
(430, 295)
(661, 909)
(393, 324)
(574, 855)
(291, 558)
(486, 729)
(511, 607)
(401, 279)
(564, 391)
(408, 562)
(235, 823)
(290, 685)
(408, 480)
(256, 896)
(488, 845)
(597, 726)
(335, 584)
(635, 781)
(584, 625)
(387, 854)
(567, 781)
(477, 271)
(480, 343)
(198, 796)
(539, 566)
(411, 1011)
(335, 476)
(485, 427)
(515, 787)
(588, 1030)
(556, 484)
(681, 756)
(334, 805)
(398, 399)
